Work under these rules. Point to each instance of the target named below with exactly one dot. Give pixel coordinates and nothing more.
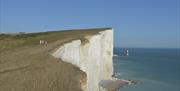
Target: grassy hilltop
(25, 65)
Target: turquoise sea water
(152, 69)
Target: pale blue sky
(137, 23)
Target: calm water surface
(153, 69)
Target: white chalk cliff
(94, 57)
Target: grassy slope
(27, 66)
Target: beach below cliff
(114, 84)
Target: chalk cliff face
(93, 56)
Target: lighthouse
(127, 52)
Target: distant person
(42, 42)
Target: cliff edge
(93, 55)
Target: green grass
(28, 39)
(27, 66)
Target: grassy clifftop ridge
(9, 41)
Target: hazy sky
(137, 23)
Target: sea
(152, 69)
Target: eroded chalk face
(93, 57)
